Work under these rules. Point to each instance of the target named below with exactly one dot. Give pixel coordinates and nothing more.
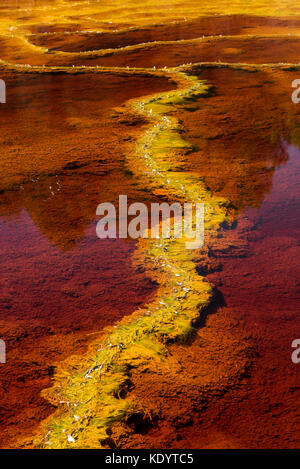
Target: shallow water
(65, 147)
(59, 282)
(261, 289)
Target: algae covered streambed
(144, 344)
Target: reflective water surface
(67, 131)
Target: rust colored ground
(59, 282)
(63, 153)
(235, 386)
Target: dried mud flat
(87, 94)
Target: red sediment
(235, 386)
(59, 282)
(51, 302)
(251, 44)
(82, 41)
(257, 50)
(68, 119)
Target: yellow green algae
(89, 393)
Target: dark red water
(59, 284)
(261, 289)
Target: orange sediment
(100, 395)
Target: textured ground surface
(68, 132)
